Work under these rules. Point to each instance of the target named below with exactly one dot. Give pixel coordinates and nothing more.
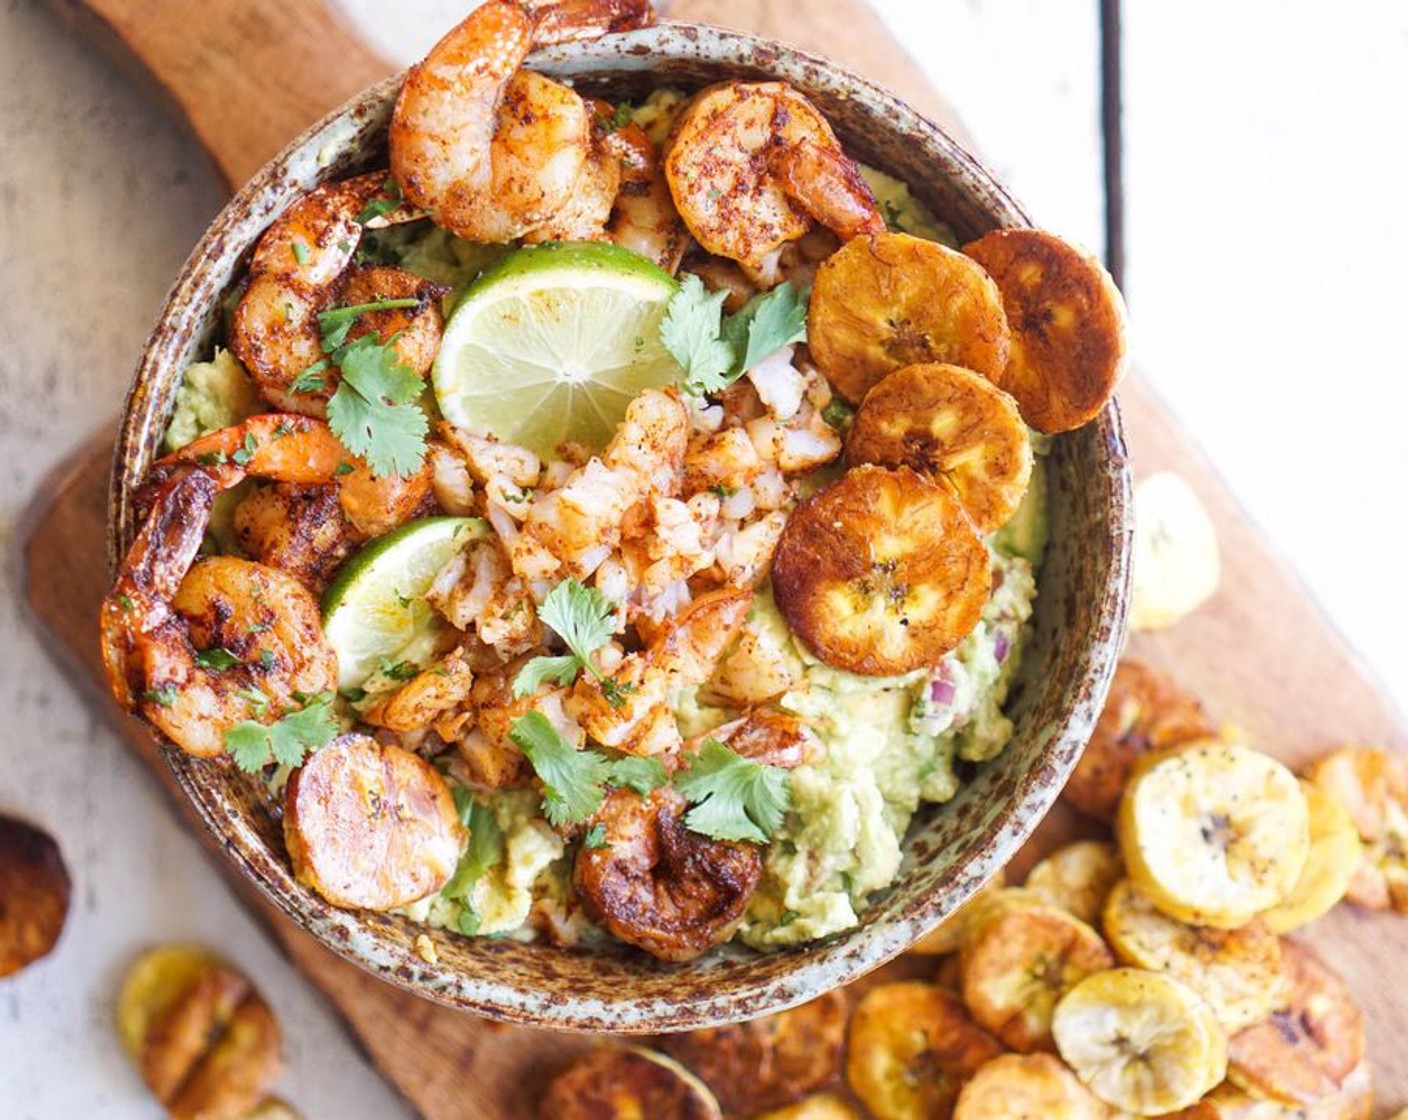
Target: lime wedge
(374, 610)
(553, 342)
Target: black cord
(1112, 130)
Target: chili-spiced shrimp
(166, 609)
(644, 218)
(572, 530)
(494, 152)
(323, 501)
(659, 886)
(751, 165)
(632, 709)
(304, 265)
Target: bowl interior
(950, 850)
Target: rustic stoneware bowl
(951, 850)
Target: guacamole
(891, 744)
(212, 395)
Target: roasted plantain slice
(627, 1083)
(1239, 972)
(947, 936)
(1373, 785)
(1146, 711)
(156, 980)
(1019, 962)
(767, 1062)
(1027, 1087)
(34, 894)
(235, 1073)
(371, 826)
(888, 301)
(1177, 562)
(1215, 833)
(206, 1043)
(881, 572)
(952, 425)
(1307, 1048)
(823, 1106)
(179, 1038)
(1141, 1041)
(1067, 319)
(1078, 877)
(1331, 864)
(274, 1109)
(911, 1048)
(1355, 1101)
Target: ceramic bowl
(950, 850)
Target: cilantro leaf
(691, 332)
(767, 323)
(540, 670)
(644, 775)
(217, 659)
(286, 741)
(248, 744)
(583, 618)
(595, 837)
(485, 849)
(374, 412)
(734, 798)
(164, 697)
(337, 321)
(714, 349)
(380, 206)
(573, 780)
(311, 380)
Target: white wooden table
(1266, 241)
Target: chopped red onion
(1001, 647)
(942, 691)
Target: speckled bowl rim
(841, 959)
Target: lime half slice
(553, 342)
(374, 610)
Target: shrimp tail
(162, 553)
(829, 187)
(569, 21)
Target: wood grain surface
(1260, 653)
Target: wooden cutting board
(1261, 653)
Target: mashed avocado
(213, 395)
(904, 212)
(433, 253)
(891, 743)
(503, 897)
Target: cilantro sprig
(287, 741)
(715, 349)
(575, 782)
(378, 207)
(373, 411)
(734, 798)
(485, 849)
(584, 619)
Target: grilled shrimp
(633, 713)
(571, 530)
(303, 265)
(324, 499)
(659, 886)
(164, 610)
(491, 151)
(644, 218)
(752, 164)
